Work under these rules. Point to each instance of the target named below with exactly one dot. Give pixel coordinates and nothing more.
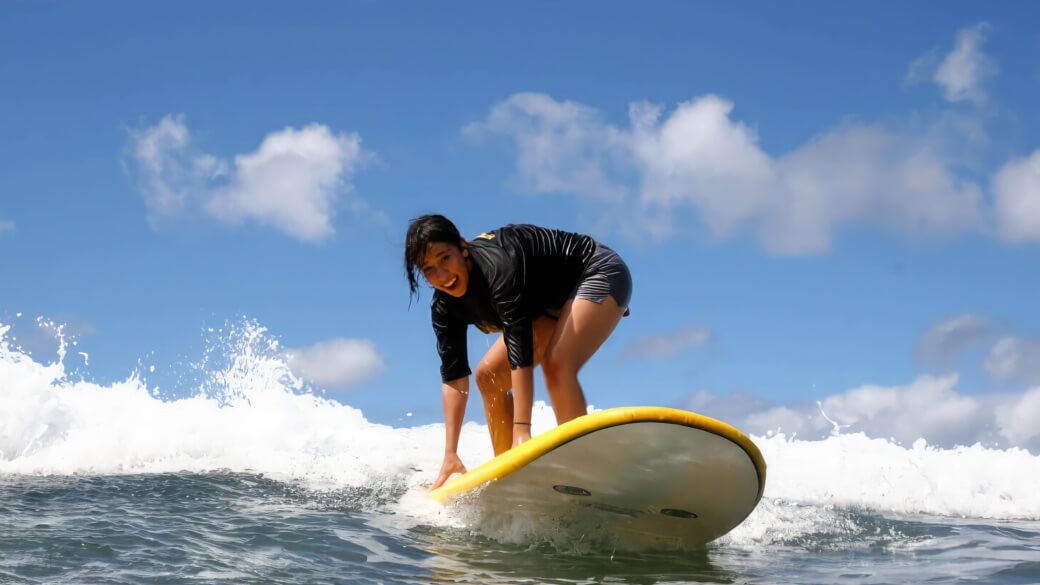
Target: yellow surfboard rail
(518, 457)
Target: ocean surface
(254, 479)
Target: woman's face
(444, 267)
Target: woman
(556, 296)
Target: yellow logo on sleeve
(486, 236)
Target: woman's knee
(557, 369)
(489, 379)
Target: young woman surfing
(556, 296)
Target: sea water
(252, 478)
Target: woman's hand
(454, 394)
(452, 464)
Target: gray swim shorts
(606, 274)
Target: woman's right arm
(454, 394)
(451, 346)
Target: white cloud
(561, 146)
(943, 343)
(858, 174)
(923, 68)
(730, 407)
(1015, 358)
(337, 363)
(778, 419)
(171, 171)
(930, 408)
(1016, 192)
(1020, 419)
(666, 345)
(698, 157)
(6, 225)
(292, 182)
(966, 67)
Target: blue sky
(818, 201)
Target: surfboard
(642, 476)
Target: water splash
(246, 412)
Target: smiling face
(444, 267)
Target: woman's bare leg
(494, 381)
(583, 327)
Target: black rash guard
(517, 273)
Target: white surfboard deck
(640, 476)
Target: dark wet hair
(423, 231)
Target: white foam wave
(877, 474)
(251, 414)
(818, 488)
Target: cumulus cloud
(665, 345)
(6, 225)
(1016, 193)
(943, 343)
(292, 182)
(171, 170)
(561, 146)
(930, 408)
(698, 157)
(963, 71)
(1011, 358)
(1015, 358)
(731, 407)
(1020, 419)
(867, 174)
(336, 364)
(923, 68)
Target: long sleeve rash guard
(517, 273)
